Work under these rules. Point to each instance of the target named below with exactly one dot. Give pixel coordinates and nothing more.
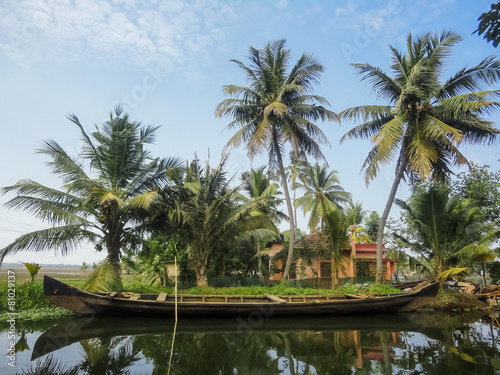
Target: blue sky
(166, 62)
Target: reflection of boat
(88, 303)
(88, 327)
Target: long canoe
(89, 303)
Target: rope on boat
(175, 325)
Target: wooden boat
(88, 303)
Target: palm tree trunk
(295, 211)
(335, 273)
(201, 273)
(113, 247)
(284, 184)
(483, 271)
(259, 261)
(201, 265)
(379, 274)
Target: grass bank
(451, 301)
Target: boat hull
(86, 303)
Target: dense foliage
(489, 24)
(445, 229)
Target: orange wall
(363, 251)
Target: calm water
(395, 344)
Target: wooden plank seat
(274, 298)
(162, 297)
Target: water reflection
(362, 345)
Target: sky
(166, 62)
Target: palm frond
(63, 239)
(105, 278)
(449, 273)
(486, 73)
(143, 201)
(383, 85)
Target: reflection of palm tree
(108, 356)
(49, 366)
(335, 355)
(384, 341)
(22, 343)
(200, 353)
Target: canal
(379, 344)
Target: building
(320, 265)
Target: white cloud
(281, 4)
(140, 31)
(347, 10)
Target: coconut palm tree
(277, 108)
(356, 215)
(425, 119)
(298, 161)
(337, 232)
(449, 230)
(210, 215)
(264, 194)
(101, 208)
(322, 193)
(258, 187)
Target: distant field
(58, 273)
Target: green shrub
(43, 313)
(28, 296)
(31, 303)
(494, 271)
(363, 268)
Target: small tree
(209, 215)
(448, 231)
(33, 269)
(84, 267)
(337, 232)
